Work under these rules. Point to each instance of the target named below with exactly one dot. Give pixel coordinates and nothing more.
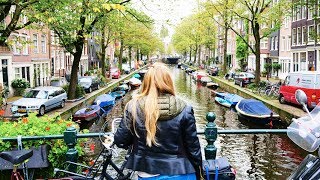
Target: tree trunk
(195, 55)
(75, 68)
(130, 57)
(190, 54)
(103, 54)
(225, 44)
(121, 52)
(199, 56)
(256, 35)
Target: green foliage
(267, 67)
(20, 83)
(242, 48)
(276, 66)
(39, 126)
(252, 86)
(79, 90)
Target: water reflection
(253, 156)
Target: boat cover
(222, 101)
(137, 76)
(206, 79)
(88, 110)
(221, 94)
(118, 94)
(254, 107)
(104, 100)
(135, 81)
(233, 98)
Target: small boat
(212, 85)
(200, 75)
(222, 101)
(134, 82)
(255, 111)
(117, 94)
(233, 99)
(220, 94)
(205, 80)
(136, 76)
(104, 100)
(87, 113)
(123, 87)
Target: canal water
(253, 156)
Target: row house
(305, 47)
(285, 55)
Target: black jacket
(179, 149)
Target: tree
(19, 10)
(276, 67)
(263, 18)
(73, 21)
(242, 53)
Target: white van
(308, 81)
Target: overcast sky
(166, 12)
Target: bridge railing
(211, 132)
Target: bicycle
(95, 171)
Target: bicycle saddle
(16, 157)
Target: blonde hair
(156, 81)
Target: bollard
(70, 138)
(210, 133)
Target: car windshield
(37, 94)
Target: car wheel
(281, 99)
(42, 110)
(90, 90)
(63, 103)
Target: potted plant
(19, 86)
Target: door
(5, 72)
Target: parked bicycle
(99, 169)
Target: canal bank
(286, 112)
(72, 107)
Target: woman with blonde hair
(160, 130)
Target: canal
(263, 156)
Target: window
(286, 22)
(276, 45)
(303, 12)
(43, 44)
(17, 72)
(299, 36)
(304, 35)
(303, 61)
(25, 46)
(272, 43)
(298, 12)
(264, 43)
(311, 33)
(294, 36)
(318, 31)
(294, 15)
(35, 43)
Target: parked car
(307, 81)
(89, 83)
(115, 73)
(213, 71)
(243, 78)
(41, 99)
(58, 82)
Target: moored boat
(205, 80)
(123, 87)
(104, 100)
(200, 75)
(117, 94)
(222, 101)
(212, 85)
(87, 113)
(134, 82)
(255, 111)
(233, 98)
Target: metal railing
(211, 132)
